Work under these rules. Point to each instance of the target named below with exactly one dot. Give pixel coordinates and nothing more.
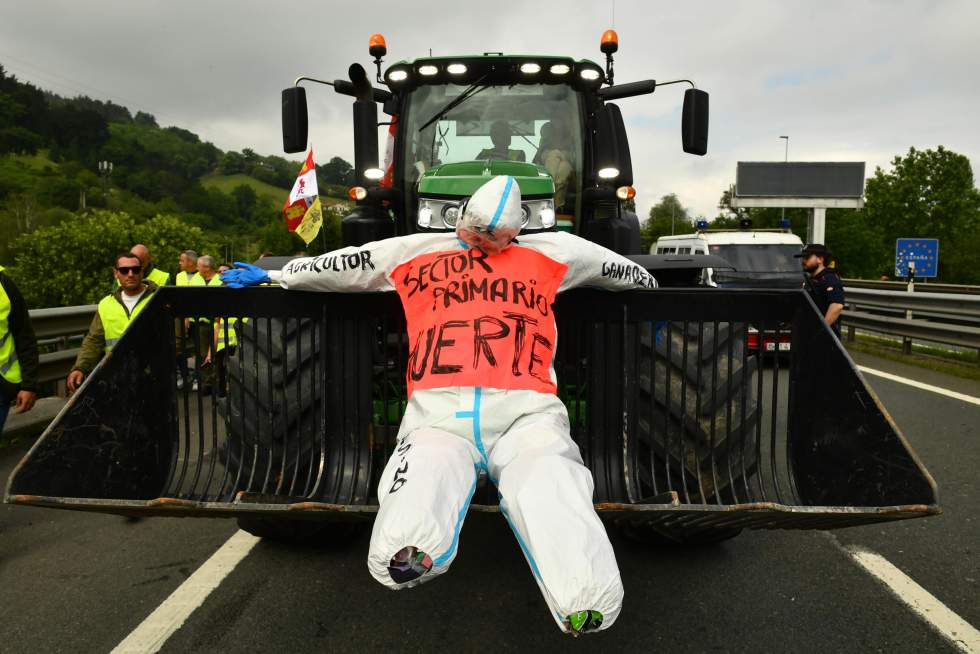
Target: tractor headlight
(538, 214)
(450, 214)
(397, 75)
(439, 214)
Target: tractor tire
(697, 413)
(270, 405)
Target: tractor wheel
(697, 412)
(270, 406)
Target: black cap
(818, 249)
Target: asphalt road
(78, 582)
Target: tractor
(689, 438)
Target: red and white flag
(386, 181)
(304, 192)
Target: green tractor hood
(461, 179)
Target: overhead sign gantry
(814, 185)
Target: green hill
(267, 193)
(37, 161)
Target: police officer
(823, 284)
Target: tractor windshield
(533, 123)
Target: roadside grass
(964, 364)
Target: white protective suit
(482, 396)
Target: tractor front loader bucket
(689, 435)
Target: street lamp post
(785, 160)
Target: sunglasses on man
(125, 270)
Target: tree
(70, 263)
(666, 217)
(336, 171)
(929, 194)
(245, 200)
(231, 163)
(143, 118)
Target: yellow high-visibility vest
(198, 280)
(229, 326)
(183, 279)
(9, 366)
(114, 318)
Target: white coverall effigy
(482, 396)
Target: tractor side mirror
(295, 122)
(612, 151)
(694, 123)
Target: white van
(761, 258)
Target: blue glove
(244, 274)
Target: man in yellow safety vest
(207, 275)
(116, 311)
(187, 261)
(150, 273)
(188, 268)
(18, 351)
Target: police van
(759, 258)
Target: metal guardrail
(920, 287)
(946, 318)
(59, 325)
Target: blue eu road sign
(924, 252)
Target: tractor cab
(456, 121)
(472, 118)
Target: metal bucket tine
(218, 380)
(270, 426)
(746, 389)
(174, 422)
(773, 458)
(300, 440)
(314, 440)
(669, 338)
(759, 415)
(683, 413)
(790, 390)
(285, 406)
(255, 404)
(697, 406)
(732, 332)
(320, 370)
(224, 384)
(632, 383)
(187, 415)
(337, 400)
(652, 361)
(712, 440)
(239, 354)
(199, 463)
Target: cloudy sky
(847, 81)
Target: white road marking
(926, 387)
(950, 626)
(154, 631)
